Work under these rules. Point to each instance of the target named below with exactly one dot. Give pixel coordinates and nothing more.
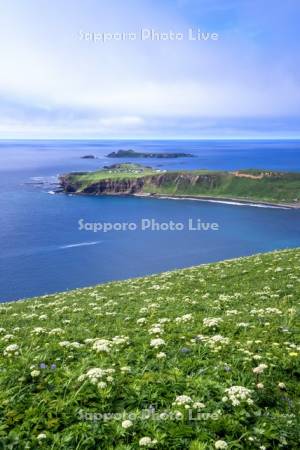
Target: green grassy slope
(284, 187)
(196, 333)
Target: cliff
(144, 183)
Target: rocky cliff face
(125, 186)
(131, 186)
(102, 187)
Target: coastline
(225, 200)
(235, 201)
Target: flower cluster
(184, 319)
(212, 322)
(187, 402)
(11, 350)
(69, 344)
(106, 345)
(157, 342)
(147, 442)
(259, 369)
(238, 394)
(98, 376)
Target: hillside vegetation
(201, 358)
(277, 187)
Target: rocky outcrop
(110, 186)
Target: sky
(59, 79)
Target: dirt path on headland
(248, 175)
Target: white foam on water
(80, 244)
(226, 202)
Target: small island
(88, 157)
(248, 186)
(133, 154)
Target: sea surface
(43, 250)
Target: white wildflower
(147, 442)
(238, 394)
(156, 329)
(41, 436)
(259, 369)
(8, 337)
(96, 374)
(120, 340)
(221, 444)
(198, 405)
(69, 344)
(102, 345)
(126, 424)
(157, 342)
(38, 330)
(141, 320)
(11, 350)
(43, 317)
(217, 340)
(182, 400)
(56, 331)
(184, 319)
(212, 322)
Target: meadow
(200, 358)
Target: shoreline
(226, 200)
(234, 201)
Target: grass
(126, 171)
(174, 343)
(284, 187)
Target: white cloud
(122, 86)
(123, 122)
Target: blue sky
(53, 84)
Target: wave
(256, 205)
(45, 249)
(226, 202)
(80, 244)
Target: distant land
(88, 157)
(264, 186)
(133, 154)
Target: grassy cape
(248, 185)
(210, 352)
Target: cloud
(123, 122)
(50, 80)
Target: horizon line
(157, 139)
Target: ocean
(43, 249)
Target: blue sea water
(43, 250)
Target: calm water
(43, 250)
